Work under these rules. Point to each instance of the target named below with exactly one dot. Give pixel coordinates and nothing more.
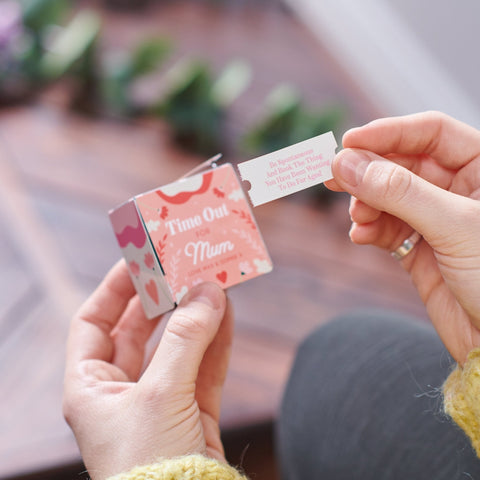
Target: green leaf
(37, 14)
(147, 57)
(195, 119)
(287, 122)
(231, 83)
(71, 44)
(282, 112)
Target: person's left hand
(122, 417)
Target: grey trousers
(364, 402)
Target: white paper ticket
(290, 169)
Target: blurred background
(103, 100)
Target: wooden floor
(59, 175)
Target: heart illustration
(180, 294)
(152, 291)
(222, 276)
(134, 268)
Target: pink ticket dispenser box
(197, 229)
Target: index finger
(90, 330)
(452, 143)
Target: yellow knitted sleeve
(190, 467)
(462, 397)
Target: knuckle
(185, 325)
(67, 411)
(352, 206)
(71, 408)
(434, 120)
(467, 212)
(435, 116)
(398, 184)
(151, 395)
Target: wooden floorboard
(61, 172)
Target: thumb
(391, 188)
(189, 332)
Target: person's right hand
(422, 172)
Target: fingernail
(351, 166)
(206, 293)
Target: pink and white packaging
(196, 229)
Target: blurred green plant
(17, 49)
(287, 121)
(40, 20)
(71, 48)
(43, 41)
(36, 49)
(195, 103)
(38, 14)
(127, 67)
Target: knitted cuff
(462, 397)
(190, 467)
